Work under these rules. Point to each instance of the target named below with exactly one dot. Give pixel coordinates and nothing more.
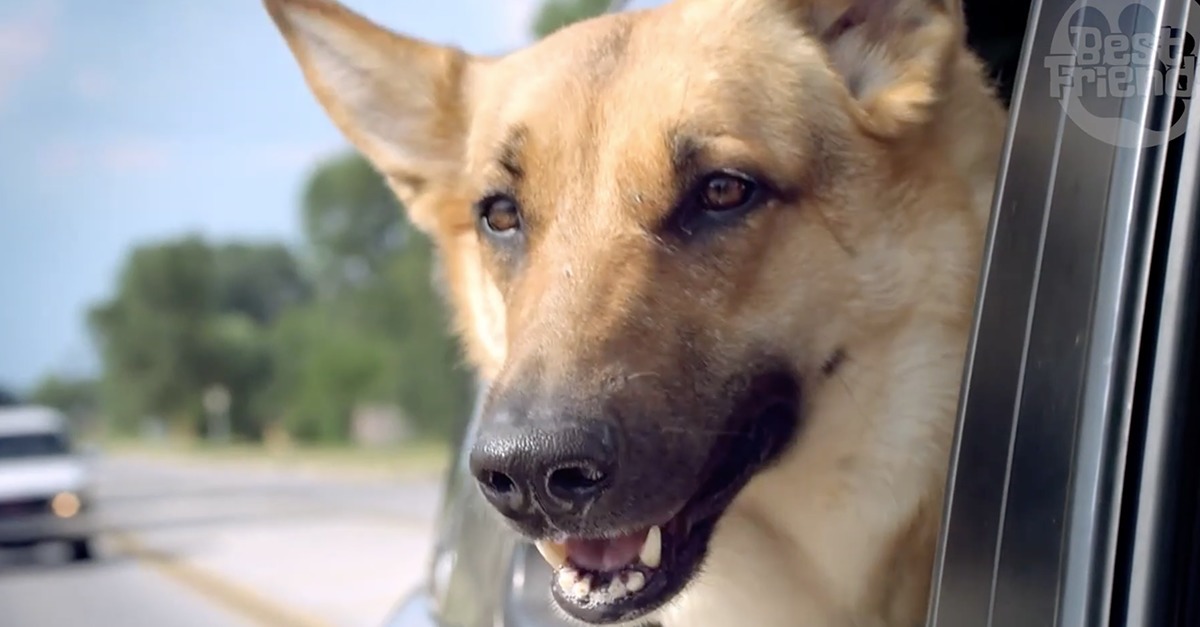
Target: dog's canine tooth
(651, 553)
(554, 553)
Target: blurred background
(230, 309)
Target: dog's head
(662, 230)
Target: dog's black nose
(558, 466)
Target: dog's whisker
(837, 238)
(859, 408)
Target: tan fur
(886, 139)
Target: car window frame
(1056, 376)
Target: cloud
(122, 156)
(135, 156)
(59, 157)
(288, 155)
(140, 155)
(26, 36)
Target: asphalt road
(185, 544)
(40, 591)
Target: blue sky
(122, 122)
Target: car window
(27, 445)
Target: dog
(717, 262)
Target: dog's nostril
(574, 482)
(497, 482)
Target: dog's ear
(401, 101)
(895, 56)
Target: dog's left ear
(404, 103)
(895, 56)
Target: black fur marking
(509, 155)
(767, 420)
(835, 361)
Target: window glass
(32, 445)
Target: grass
(416, 459)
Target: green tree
(352, 221)
(242, 362)
(153, 334)
(256, 284)
(76, 397)
(555, 14)
(378, 332)
(8, 398)
(325, 369)
(259, 281)
(187, 316)
(431, 383)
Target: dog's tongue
(606, 555)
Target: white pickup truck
(45, 482)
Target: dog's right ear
(894, 55)
(401, 101)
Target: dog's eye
(726, 192)
(722, 197)
(500, 214)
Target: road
(35, 594)
(187, 544)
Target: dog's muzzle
(621, 492)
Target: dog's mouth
(621, 578)
(629, 573)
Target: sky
(123, 122)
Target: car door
(1072, 498)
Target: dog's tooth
(554, 553)
(635, 581)
(582, 587)
(651, 553)
(567, 578)
(610, 593)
